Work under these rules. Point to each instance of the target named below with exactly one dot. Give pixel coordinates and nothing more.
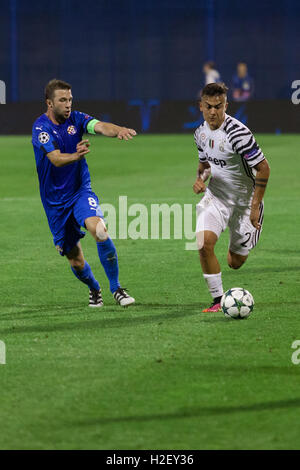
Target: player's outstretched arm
(62, 159)
(112, 130)
(261, 181)
(203, 174)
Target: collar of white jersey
(219, 128)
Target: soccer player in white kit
(233, 198)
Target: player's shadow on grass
(284, 251)
(41, 311)
(267, 269)
(116, 322)
(198, 412)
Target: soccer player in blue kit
(65, 187)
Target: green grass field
(159, 375)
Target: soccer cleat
(213, 308)
(122, 298)
(95, 298)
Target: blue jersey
(242, 87)
(60, 186)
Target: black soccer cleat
(95, 298)
(122, 298)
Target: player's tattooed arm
(112, 130)
(62, 159)
(261, 181)
(203, 173)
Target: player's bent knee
(235, 263)
(206, 241)
(206, 248)
(101, 231)
(77, 264)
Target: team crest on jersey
(202, 136)
(211, 143)
(44, 137)
(222, 146)
(71, 130)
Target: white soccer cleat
(122, 298)
(95, 298)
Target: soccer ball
(237, 303)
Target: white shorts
(214, 215)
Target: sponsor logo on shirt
(44, 137)
(71, 130)
(216, 161)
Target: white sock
(214, 284)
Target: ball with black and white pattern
(237, 303)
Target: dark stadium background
(144, 59)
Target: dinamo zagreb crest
(71, 130)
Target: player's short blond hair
(53, 85)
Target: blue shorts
(65, 222)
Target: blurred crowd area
(241, 87)
(155, 49)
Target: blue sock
(109, 260)
(86, 276)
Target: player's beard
(59, 117)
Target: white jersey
(212, 76)
(232, 152)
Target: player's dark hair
(53, 85)
(214, 89)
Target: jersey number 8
(92, 202)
